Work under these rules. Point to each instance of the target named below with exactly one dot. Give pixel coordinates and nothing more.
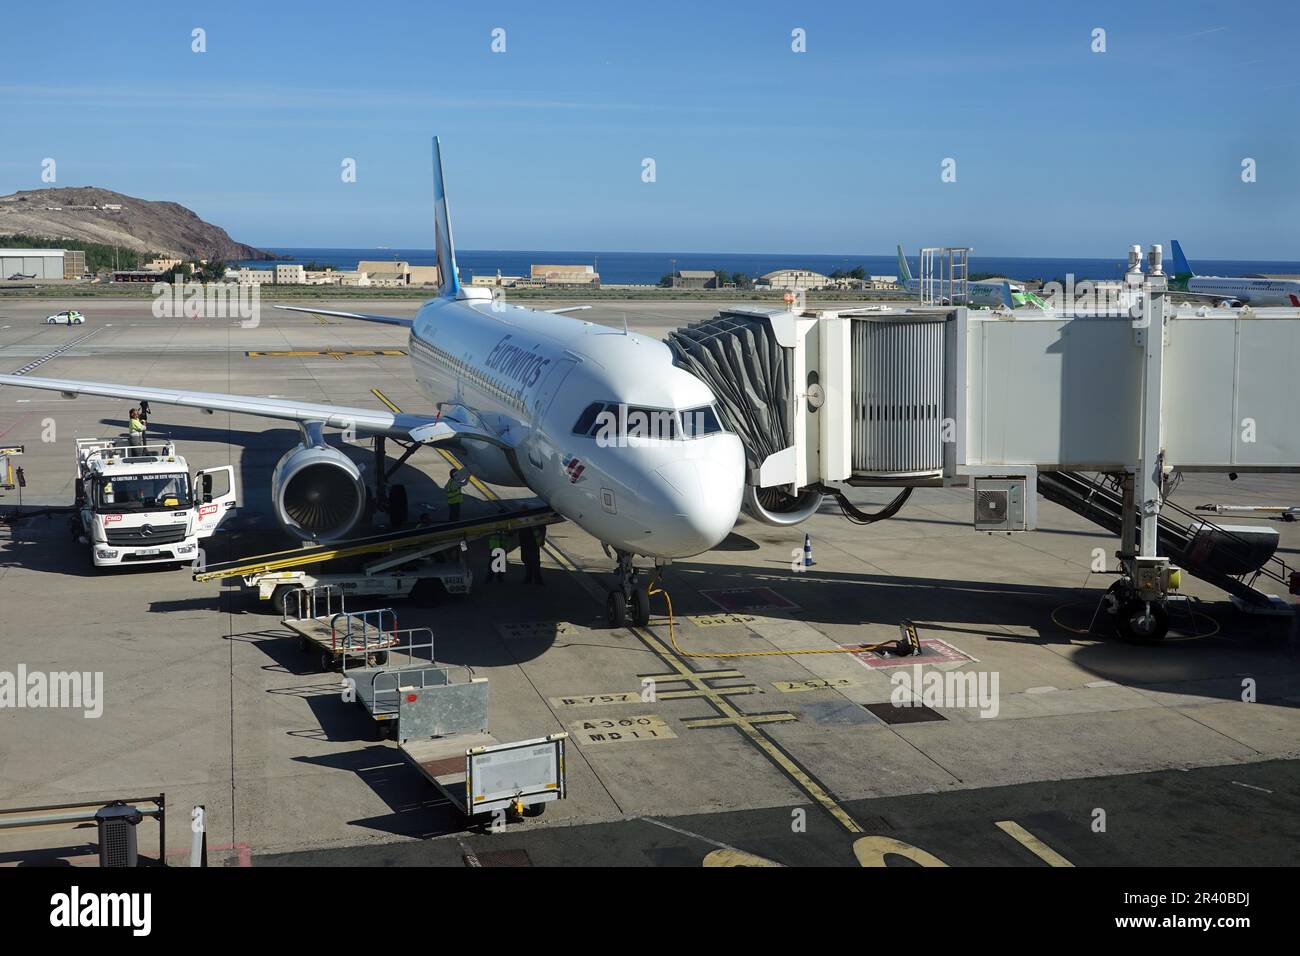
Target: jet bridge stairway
(1210, 552)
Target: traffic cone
(807, 551)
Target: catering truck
(141, 505)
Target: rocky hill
(90, 214)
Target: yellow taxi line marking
(694, 723)
(688, 694)
(1031, 843)
(738, 718)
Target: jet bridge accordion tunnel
(781, 379)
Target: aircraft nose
(702, 504)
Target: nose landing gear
(629, 600)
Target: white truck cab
(141, 505)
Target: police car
(66, 317)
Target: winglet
(448, 277)
(904, 273)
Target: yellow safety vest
(455, 492)
(136, 425)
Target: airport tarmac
(207, 699)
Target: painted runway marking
(1250, 786)
(33, 365)
(812, 683)
(721, 620)
(597, 700)
(337, 355)
(642, 729)
(1032, 843)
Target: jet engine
(317, 492)
(775, 507)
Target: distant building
(422, 275)
(137, 275)
(290, 274)
(32, 263)
(163, 265)
(695, 279)
(74, 264)
(884, 282)
(251, 276)
(566, 275)
(794, 279)
(496, 281)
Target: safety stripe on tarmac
(1031, 843)
(728, 714)
(337, 354)
(37, 363)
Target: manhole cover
(504, 858)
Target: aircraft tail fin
(1182, 268)
(904, 273)
(448, 277)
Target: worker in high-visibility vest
(455, 489)
(497, 560)
(135, 427)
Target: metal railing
(321, 601)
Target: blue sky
(1059, 150)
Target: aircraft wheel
(616, 609)
(1137, 626)
(640, 607)
(279, 598)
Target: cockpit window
(588, 418)
(700, 421)
(610, 420)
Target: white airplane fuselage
(527, 377)
(1253, 291)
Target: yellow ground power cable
(1087, 632)
(656, 588)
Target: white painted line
(1250, 786)
(1040, 690)
(1101, 683)
(688, 833)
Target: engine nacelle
(317, 493)
(774, 507)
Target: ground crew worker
(530, 553)
(455, 488)
(135, 428)
(497, 551)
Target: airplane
(1229, 290)
(986, 293)
(598, 422)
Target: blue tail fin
(904, 273)
(1181, 265)
(448, 277)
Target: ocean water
(646, 268)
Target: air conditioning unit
(1000, 504)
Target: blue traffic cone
(807, 551)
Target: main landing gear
(629, 601)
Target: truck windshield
(142, 492)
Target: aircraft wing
(427, 429)
(363, 316)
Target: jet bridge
(1016, 403)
